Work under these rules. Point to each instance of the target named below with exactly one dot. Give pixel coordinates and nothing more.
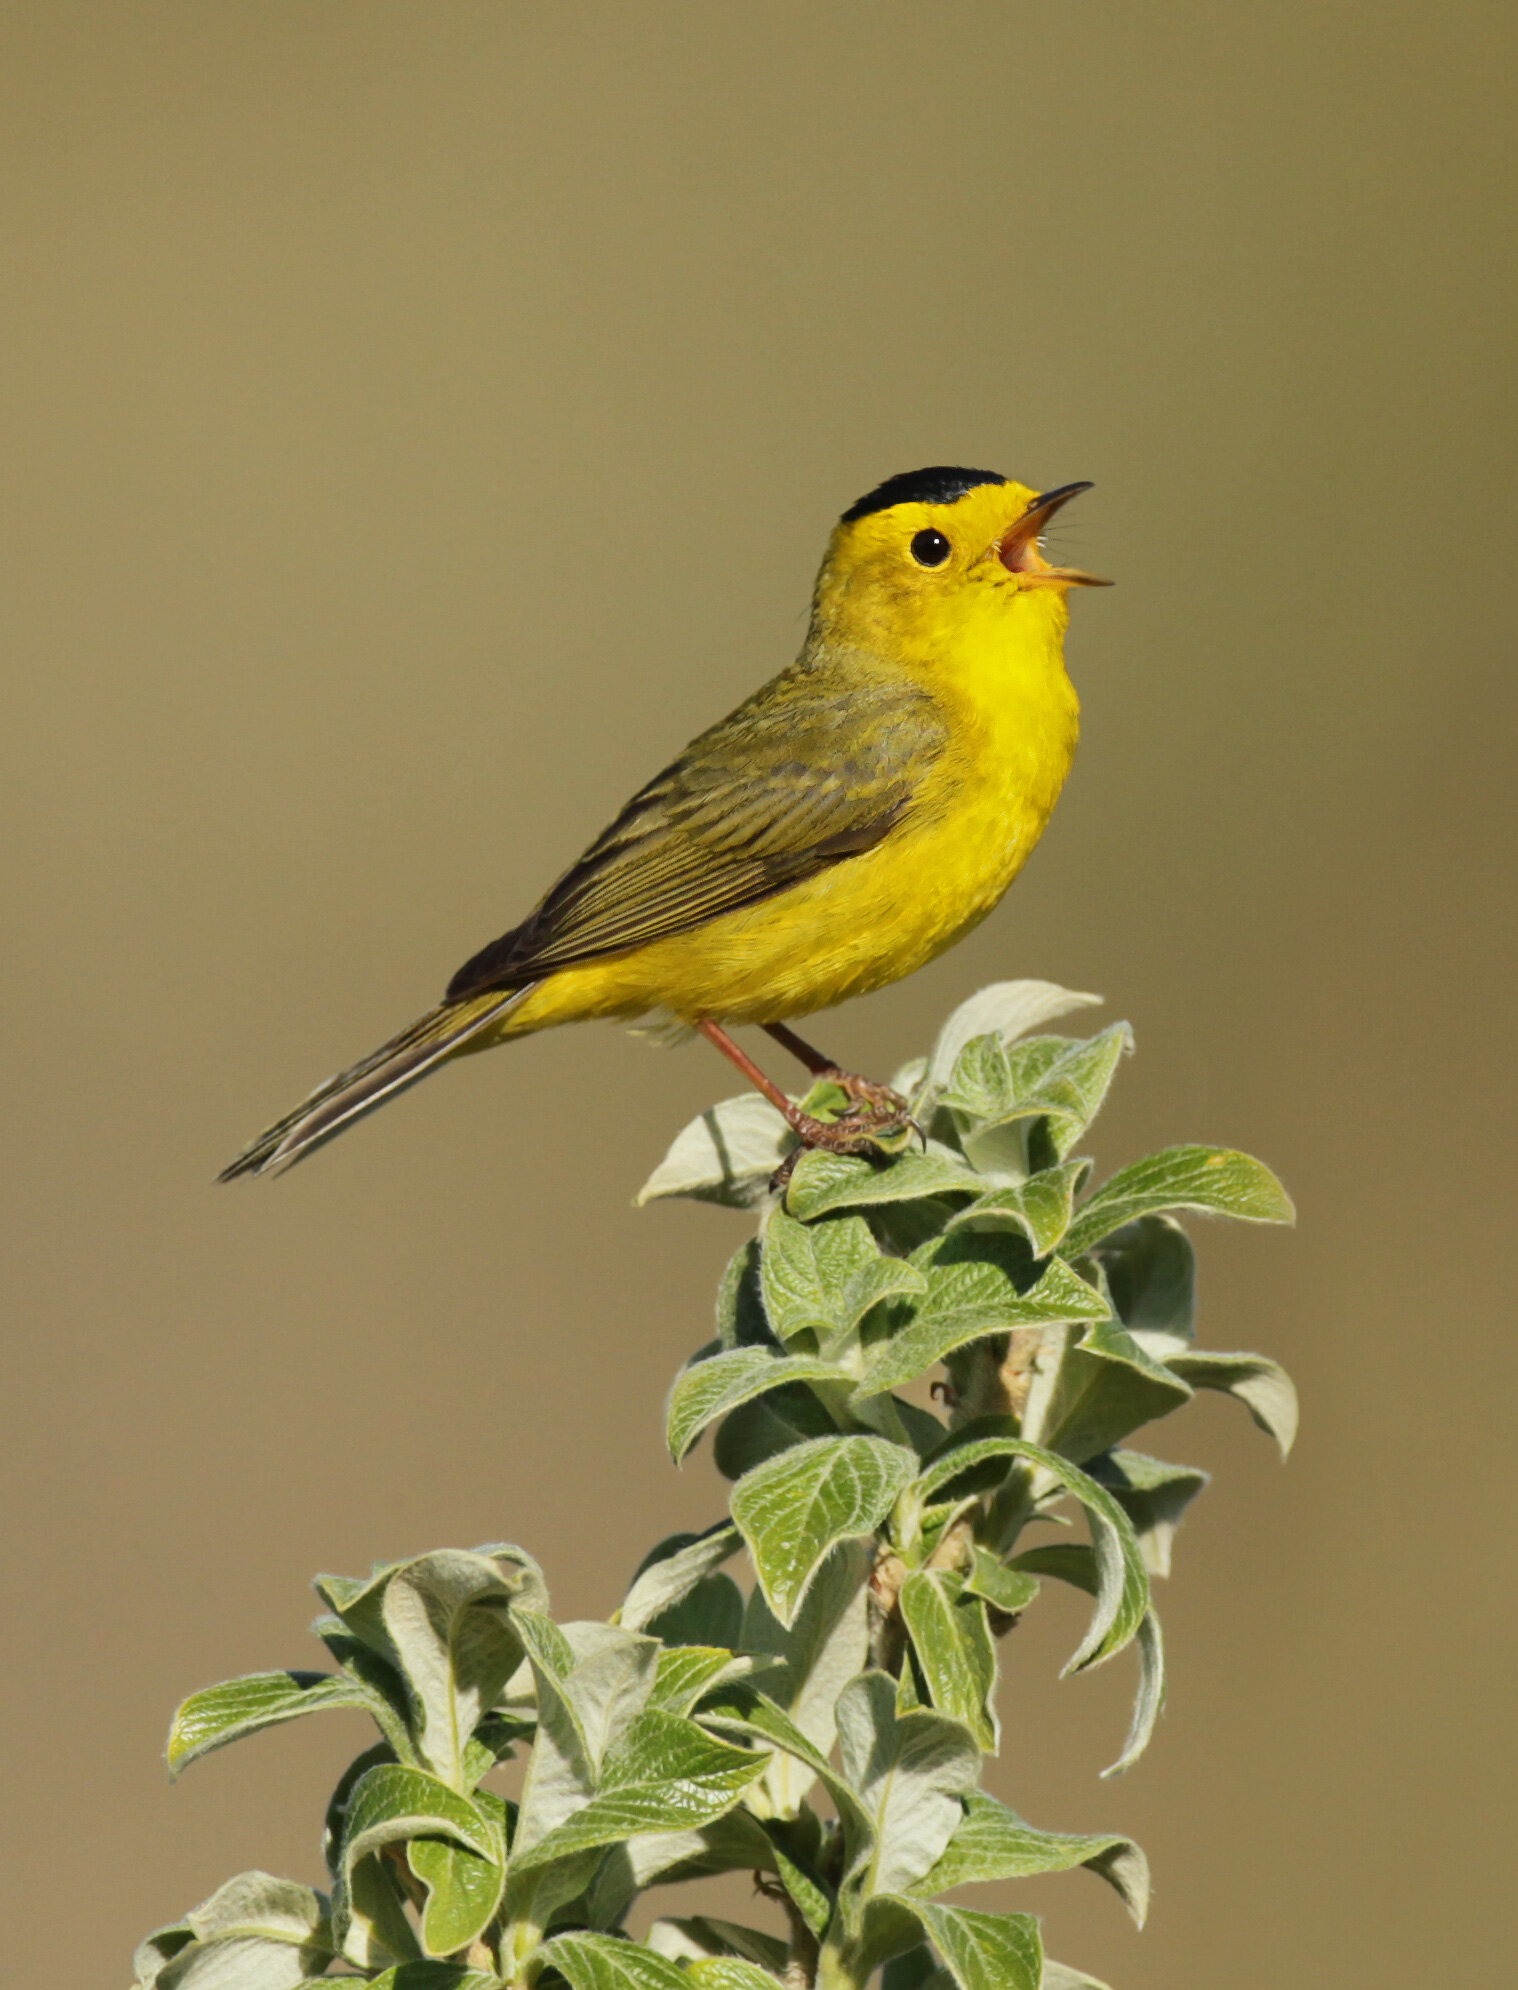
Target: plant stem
(801, 1963)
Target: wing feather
(801, 777)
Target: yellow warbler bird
(848, 822)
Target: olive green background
(419, 421)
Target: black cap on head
(938, 485)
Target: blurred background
(420, 421)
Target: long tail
(401, 1062)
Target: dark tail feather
(369, 1083)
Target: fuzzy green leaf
(708, 1389)
(1068, 1081)
(1005, 1010)
(1060, 1976)
(1153, 1495)
(1095, 1387)
(1261, 1385)
(392, 1803)
(825, 1182)
(493, 1741)
(429, 1976)
(729, 1972)
(448, 1616)
(1121, 1583)
(712, 1614)
(603, 1962)
(984, 1951)
(740, 1320)
(219, 1714)
(701, 1935)
(972, 1292)
(600, 1962)
(734, 1842)
(673, 1569)
(816, 1657)
(1022, 1107)
(1215, 1180)
(797, 1843)
(359, 1601)
(768, 1425)
(155, 1951)
(688, 1672)
(1149, 1269)
(463, 1892)
(883, 1927)
(750, 1714)
(915, 1969)
(793, 1508)
(1006, 1589)
(909, 1772)
(954, 1649)
(587, 1701)
(369, 1913)
(822, 1278)
(388, 1699)
(1038, 1208)
(993, 1843)
(1149, 1701)
(237, 1963)
(665, 1774)
(1073, 1562)
(726, 1155)
(255, 1931)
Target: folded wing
(801, 777)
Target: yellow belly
(869, 919)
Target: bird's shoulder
(831, 726)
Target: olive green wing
(801, 777)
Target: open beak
(1018, 551)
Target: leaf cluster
(825, 1730)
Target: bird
(844, 825)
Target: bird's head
(933, 553)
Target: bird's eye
(930, 548)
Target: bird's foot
(869, 1093)
(870, 1114)
(874, 1103)
(858, 1131)
(861, 1130)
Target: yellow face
(914, 570)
